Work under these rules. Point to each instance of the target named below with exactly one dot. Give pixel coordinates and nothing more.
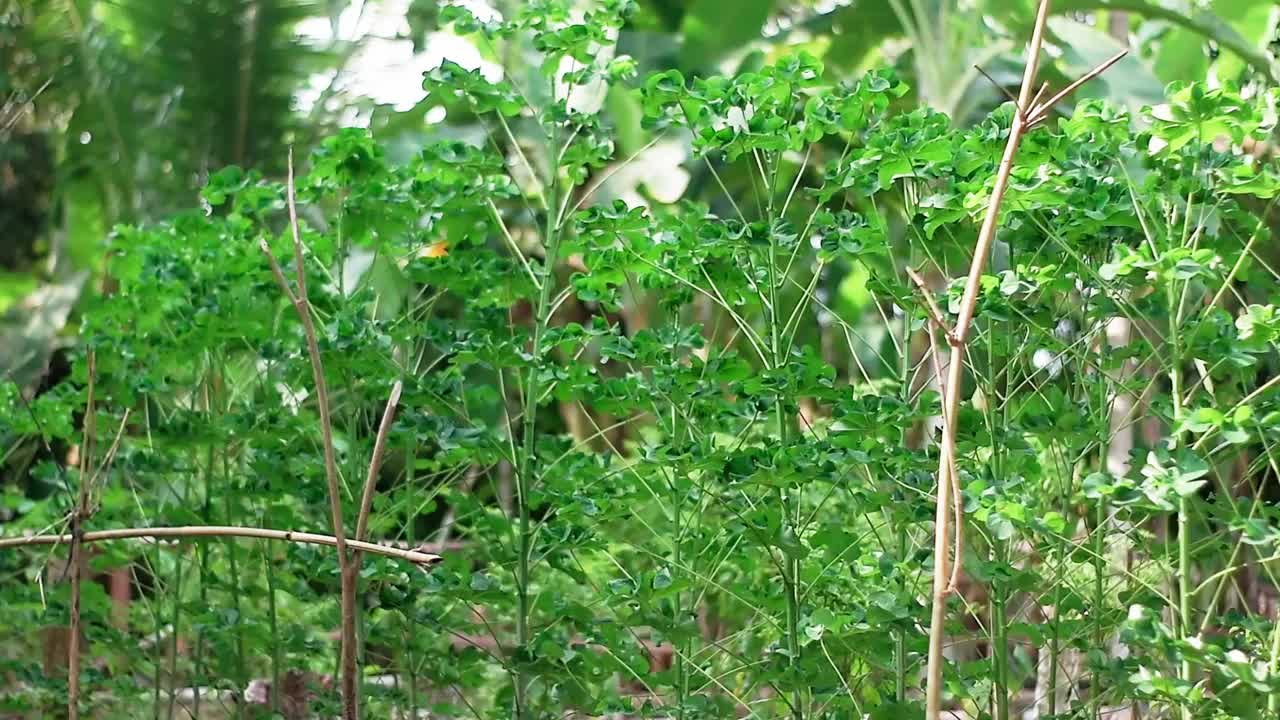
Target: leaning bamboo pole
(1028, 113)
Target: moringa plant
(680, 459)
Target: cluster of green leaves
(700, 477)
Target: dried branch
(1003, 90)
(957, 564)
(416, 556)
(375, 464)
(935, 313)
(936, 317)
(1028, 113)
(1044, 88)
(1040, 112)
(350, 701)
(951, 396)
(78, 518)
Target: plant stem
(1184, 520)
(999, 638)
(156, 679)
(681, 678)
(904, 393)
(526, 471)
(1273, 701)
(173, 637)
(206, 514)
(788, 498)
(683, 651)
(998, 417)
(199, 671)
(233, 562)
(412, 461)
(1099, 596)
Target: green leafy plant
(679, 459)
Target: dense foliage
(678, 456)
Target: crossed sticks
(1039, 112)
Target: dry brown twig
(375, 464)
(418, 556)
(350, 701)
(1028, 113)
(85, 507)
(953, 475)
(78, 517)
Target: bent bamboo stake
(417, 557)
(1028, 113)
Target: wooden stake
(1028, 113)
(350, 684)
(951, 396)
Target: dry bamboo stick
(196, 531)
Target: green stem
(685, 648)
(1054, 649)
(525, 472)
(900, 635)
(1099, 596)
(1185, 591)
(1273, 701)
(1184, 542)
(154, 607)
(233, 561)
(206, 515)
(789, 499)
(999, 640)
(173, 638)
(999, 555)
(681, 675)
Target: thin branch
(78, 518)
(935, 313)
(115, 446)
(1003, 90)
(301, 304)
(1044, 87)
(1040, 112)
(957, 565)
(953, 475)
(511, 243)
(375, 464)
(1027, 115)
(277, 272)
(416, 556)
